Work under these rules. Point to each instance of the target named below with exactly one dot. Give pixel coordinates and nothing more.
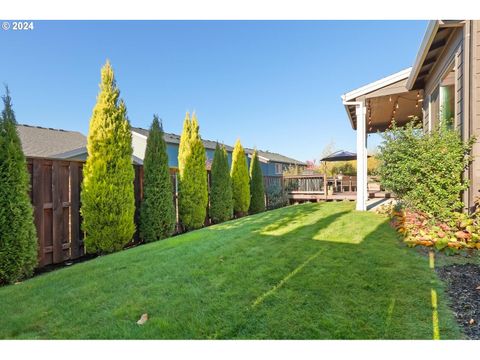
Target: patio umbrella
(340, 155)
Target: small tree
(257, 189)
(157, 215)
(425, 169)
(192, 186)
(240, 181)
(18, 238)
(221, 202)
(108, 202)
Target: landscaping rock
(462, 287)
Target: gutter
(354, 103)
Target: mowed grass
(312, 271)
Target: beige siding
(475, 104)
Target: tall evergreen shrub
(221, 201)
(192, 186)
(240, 181)
(18, 238)
(157, 215)
(108, 203)
(257, 189)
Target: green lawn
(312, 271)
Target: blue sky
(275, 85)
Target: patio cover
(373, 108)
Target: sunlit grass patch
(202, 285)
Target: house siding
(475, 108)
(463, 50)
(452, 54)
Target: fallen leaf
(471, 322)
(143, 319)
(478, 287)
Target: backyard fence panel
(55, 196)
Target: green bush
(240, 181)
(108, 202)
(192, 185)
(157, 215)
(276, 196)
(18, 238)
(257, 190)
(221, 201)
(424, 169)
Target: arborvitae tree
(192, 185)
(18, 238)
(184, 147)
(108, 202)
(240, 181)
(257, 190)
(157, 215)
(221, 201)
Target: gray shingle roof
(275, 157)
(175, 139)
(47, 142)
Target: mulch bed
(462, 283)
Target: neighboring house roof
(270, 156)
(57, 143)
(275, 157)
(175, 139)
(72, 154)
(47, 142)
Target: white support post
(361, 157)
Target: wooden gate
(55, 194)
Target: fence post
(75, 245)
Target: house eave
(354, 94)
(432, 29)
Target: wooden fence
(55, 193)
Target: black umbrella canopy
(340, 155)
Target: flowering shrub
(461, 231)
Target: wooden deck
(301, 196)
(317, 196)
(303, 188)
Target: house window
(278, 169)
(442, 103)
(447, 99)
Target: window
(442, 101)
(447, 99)
(278, 169)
